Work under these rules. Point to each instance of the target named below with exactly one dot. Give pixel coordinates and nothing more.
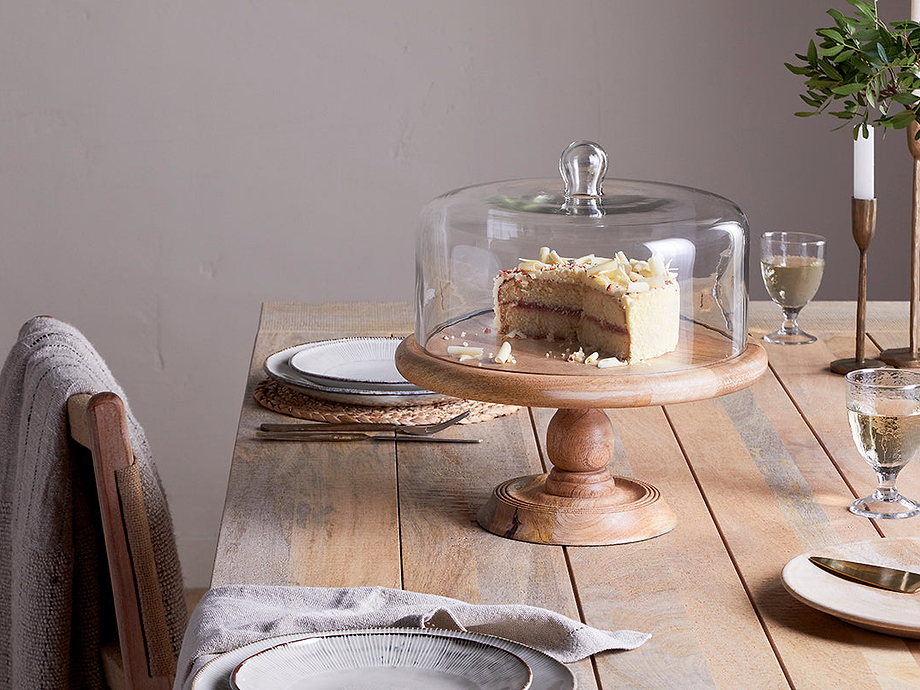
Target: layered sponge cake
(620, 307)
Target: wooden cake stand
(579, 502)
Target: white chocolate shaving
(504, 353)
(638, 286)
(608, 362)
(611, 265)
(464, 353)
(620, 273)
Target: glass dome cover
(467, 237)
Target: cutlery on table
(336, 427)
(892, 579)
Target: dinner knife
(892, 579)
(357, 436)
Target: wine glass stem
(790, 320)
(886, 490)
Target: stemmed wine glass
(883, 406)
(792, 264)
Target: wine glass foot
(784, 337)
(888, 509)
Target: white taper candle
(864, 164)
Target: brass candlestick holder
(907, 357)
(864, 214)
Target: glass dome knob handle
(583, 165)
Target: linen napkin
(234, 615)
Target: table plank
(441, 489)
(681, 587)
(317, 526)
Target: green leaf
(830, 52)
(812, 54)
(845, 55)
(813, 102)
(797, 69)
(867, 9)
(881, 53)
(907, 99)
(829, 69)
(832, 34)
(821, 83)
(848, 89)
(870, 36)
(902, 119)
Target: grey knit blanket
(55, 597)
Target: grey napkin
(231, 616)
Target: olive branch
(867, 65)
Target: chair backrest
(99, 423)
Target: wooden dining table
(755, 478)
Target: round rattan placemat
(277, 397)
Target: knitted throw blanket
(55, 595)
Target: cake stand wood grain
(579, 502)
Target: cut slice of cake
(623, 308)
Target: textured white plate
(548, 674)
(278, 366)
(383, 660)
(893, 613)
(350, 361)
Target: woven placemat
(280, 398)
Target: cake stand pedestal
(579, 502)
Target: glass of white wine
(883, 406)
(792, 264)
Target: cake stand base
(630, 510)
(901, 357)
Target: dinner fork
(325, 428)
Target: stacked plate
(893, 613)
(357, 371)
(384, 659)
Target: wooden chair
(142, 658)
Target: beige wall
(166, 166)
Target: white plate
(548, 674)
(893, 613)
(278, 367)
(350, 362)
(383, 660)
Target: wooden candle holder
(863, 221)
